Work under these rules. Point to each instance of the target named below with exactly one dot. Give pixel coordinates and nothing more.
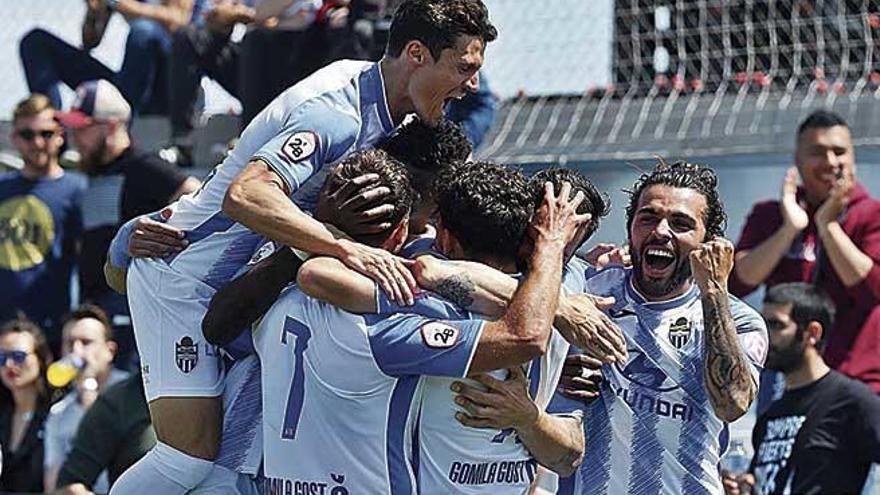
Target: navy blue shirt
(40, 222)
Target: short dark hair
(595, 203)
(438, 24)
(821, 119)
(426, 150)
(90, 311)
(392, 175)
(486, 207)
(21, 324)
(685, 175)
(808, 303)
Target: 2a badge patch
(300, 145)
(439, 335)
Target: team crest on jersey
(679, 332)
(439, 335)
(300, 146)
(186, 354)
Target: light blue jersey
(300, 135)
(653, 429)
(340, 391)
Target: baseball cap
(95, 101)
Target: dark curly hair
(685, 175)
(595, 203)
(426, 150)
(438, 24)
(487, 207)
(392, 175)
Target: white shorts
(167, 308)
(222, 481)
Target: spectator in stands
(87, 335)
(203, 50)
(124, 182)
(49, 60)
(826, 231)
(824, 433)
(24, 404)
(289, 40)
(475, 112)
(40, 221)
(113, 435)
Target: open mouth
(658, 261)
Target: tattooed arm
(726, 368)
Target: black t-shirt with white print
(818, 439)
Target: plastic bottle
(736, 461)
(62, 372)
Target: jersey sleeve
(426, 304)
(315, 135)
(751, 332)
(416, 345)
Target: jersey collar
(376, 89)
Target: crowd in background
(56, 224)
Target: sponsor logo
(27, 232)
(679, 332)
(287, 486)
(645, 374)
(186, 354)
(300, 146)
(439, 335)
(488, 473)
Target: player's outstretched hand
(557, 220)
(151, 239)
(605, 254)
(353, 206)
(504, 404)
(581, 378)
(583, 324)
(711, 264)
(389, 271)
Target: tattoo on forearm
(459, 289)
(726, 369)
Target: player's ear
(417, 52)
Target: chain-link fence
(707, 77)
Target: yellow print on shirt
(27, 232)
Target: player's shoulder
(609, 277)
(747, 319)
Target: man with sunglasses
(40, 221)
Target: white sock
(164, 470)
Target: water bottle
(736, 461)
(62, 372)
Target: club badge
(186, 354)
(679, 332)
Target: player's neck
(677, 292)
(395, 75)
(812, 369)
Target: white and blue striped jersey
(653, 430)
(339, 392)
(308, 128)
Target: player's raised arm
(258, 199)
(524, 329)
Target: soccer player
(659, 423)
(434, 51)
(353, 392)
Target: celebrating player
(434, 51)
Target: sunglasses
(30, 134)
(17, 357)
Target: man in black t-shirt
(823, 434)
(124, 182)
